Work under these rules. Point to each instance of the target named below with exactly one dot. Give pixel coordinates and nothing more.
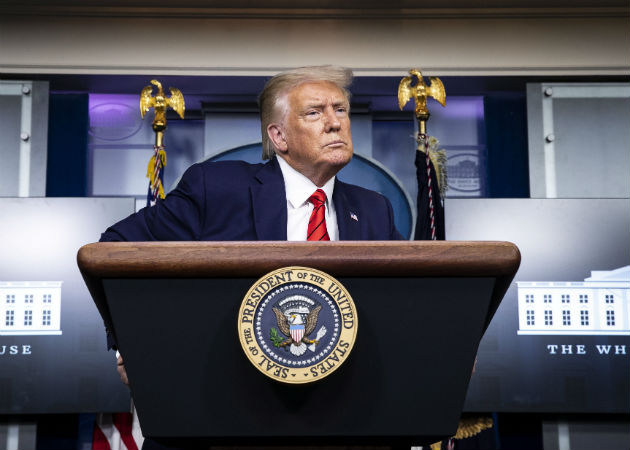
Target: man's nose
(332, 122)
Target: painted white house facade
(599, 305)
(30, 307)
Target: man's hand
(120, 367)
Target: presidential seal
(297, 325)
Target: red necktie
(317, 224)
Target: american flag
(117, 431)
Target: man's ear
(276, 134)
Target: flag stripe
(99, 441)
(118, 431)
(122, 421)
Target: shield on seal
(297, 332)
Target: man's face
(317, 141)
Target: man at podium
(295, 196)
(305, 124)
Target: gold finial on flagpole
(435, 159)
(160, 103)
(419, 93)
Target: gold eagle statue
(160, 103)
(420, 92)
(297, 347)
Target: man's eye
(312, 114)
(342, 110)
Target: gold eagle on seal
(296, 330)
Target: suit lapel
(269, 203)
(347, 214)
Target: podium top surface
(343, 258)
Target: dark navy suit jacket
(237, 201)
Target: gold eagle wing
(311, 320)
(283, 322)
(176, 101)
(146, 101)
(405, 91)
(437, 91)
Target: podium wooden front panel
(422, 309)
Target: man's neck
(318, 179)
(297, 185)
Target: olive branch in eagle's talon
(276, 339)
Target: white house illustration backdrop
(30, 307)
(596, 306)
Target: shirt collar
(299, 188)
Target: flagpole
(434, 159)
(160, 103)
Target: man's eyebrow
(320, 105)
(314, 104)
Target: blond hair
(272, 99)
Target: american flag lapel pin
(354, 217)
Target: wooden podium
(422, 310)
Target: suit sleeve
(176, 218)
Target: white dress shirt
(299, 209)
